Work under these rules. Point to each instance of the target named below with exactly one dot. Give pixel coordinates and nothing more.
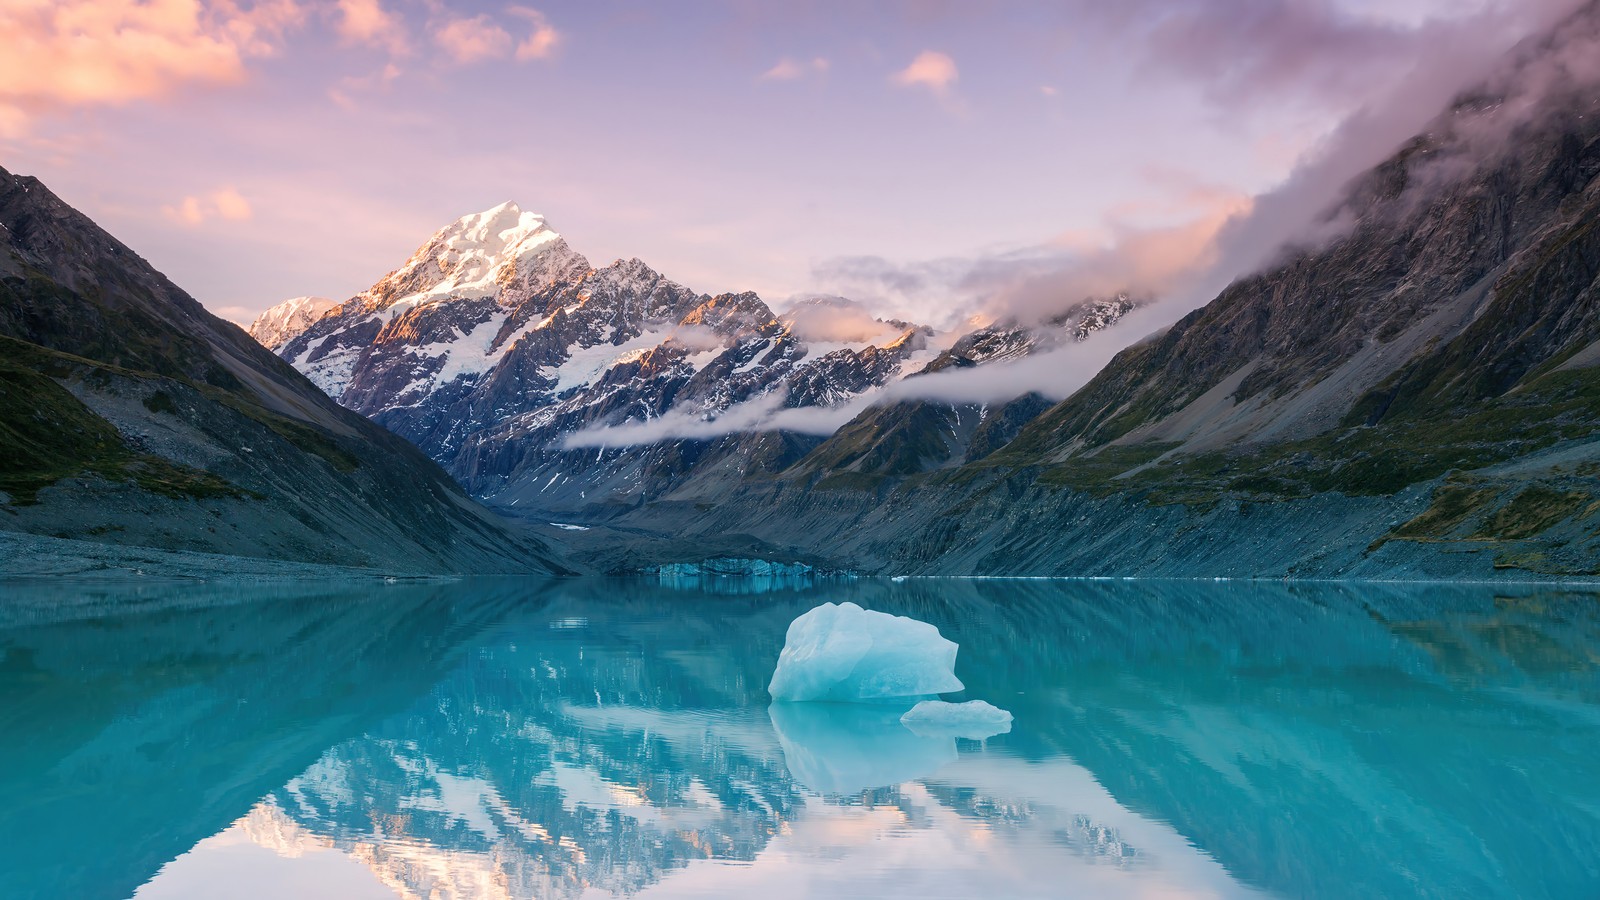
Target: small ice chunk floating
(842, 653)
(975, 719)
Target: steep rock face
(554, 388)
(529, 465)
(1009, 340)
(919, 436)
(131, 415)
(496, 348)
(282, 323)
(1447, 237)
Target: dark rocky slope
(1417, 396)
(130, 415)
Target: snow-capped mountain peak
(282, 323)
(498, 234)
(486, 254)
(496, 343)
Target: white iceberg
(974, 719)
(841, 652)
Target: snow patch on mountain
(280, 324)
(584, 365)
(505, 356)
(328, 369)
(479, 254)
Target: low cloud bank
(836, 319)
(1054, 374)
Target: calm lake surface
(598, 738)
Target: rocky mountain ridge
(1416, 396)
(1415, 393)
(130, 415)
(529, 374)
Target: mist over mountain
(1399, 355)
(1405, 389)
(539, 379)
(1107, 449)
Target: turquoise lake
(600, 738)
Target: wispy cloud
(480, 38)
(1034, 283)
(1054, 375)
(541, 43)
(238, 315)
(763, 413)
(1241, 50)
(86, 52)
(473, 40)
(824, 318)
(1204, 238)
(788, 69)
(223, 203)
(932, 70)
(367, 22)
(344, 93)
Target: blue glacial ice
(730, 567)
(974, 719)
(841, 652)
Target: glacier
(841, 652)
(731, 567)
(974, 719)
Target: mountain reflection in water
(516, 738)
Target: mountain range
(1414, 396)
(1413, 392)
(540, 381)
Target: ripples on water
(600, 738)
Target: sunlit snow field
(598, 738)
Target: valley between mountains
(1413, 394)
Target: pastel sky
(258, 151)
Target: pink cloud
(222, 203)
(187, 212)
(64, 53)
(931, 69)
(541, 43)
(473, 40)
(230, 204)
(367, 22)
(788, 69)
(344, 93)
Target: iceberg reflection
(846, 748)
(446, 740)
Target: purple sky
(886, 151)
